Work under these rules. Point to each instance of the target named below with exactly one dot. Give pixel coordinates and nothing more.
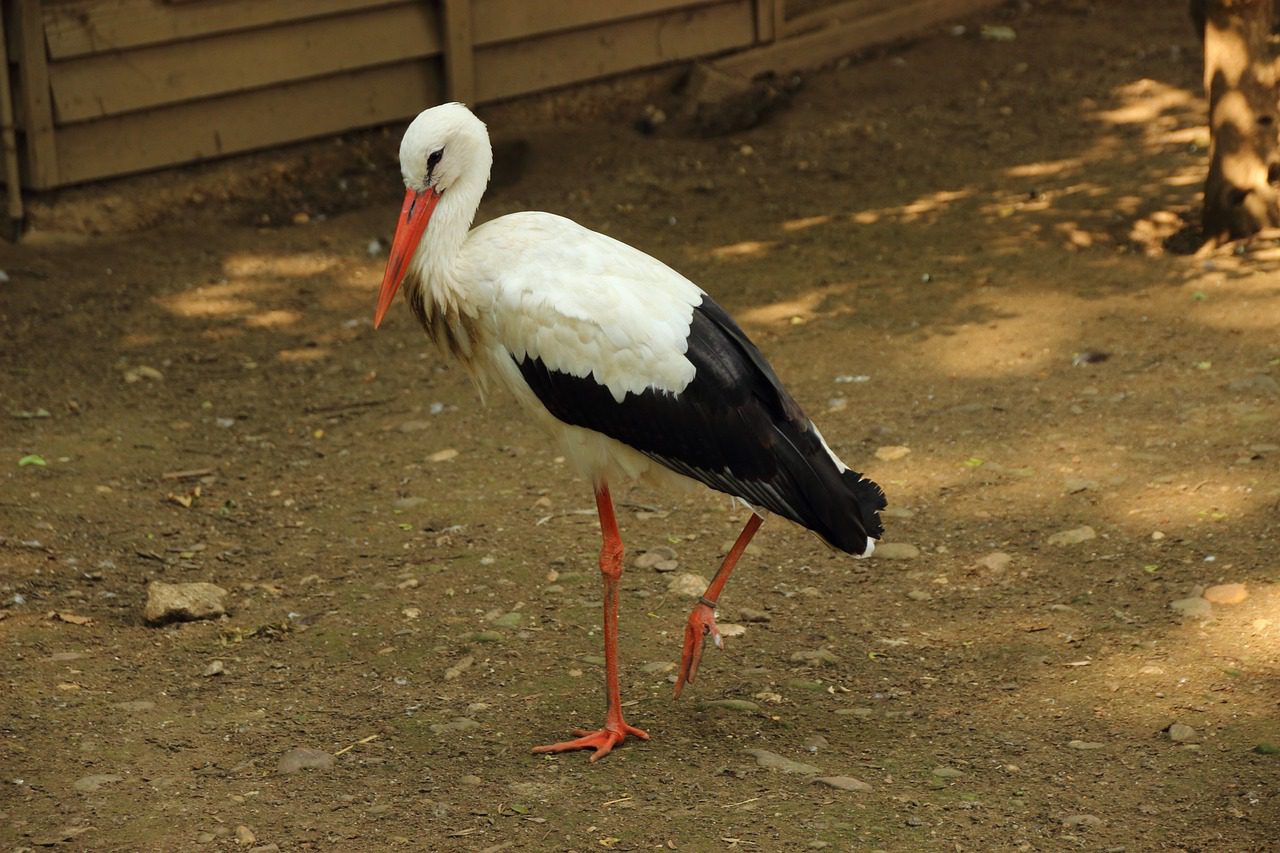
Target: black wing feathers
(734, 428)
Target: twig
(354, 745)
(342, 407)
(190, 474)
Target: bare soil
(962, 248)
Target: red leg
(615, 728)
(702, 621)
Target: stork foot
(601, 740)
(701, 624)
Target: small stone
(1182, 733)
(304, 758)
(205, 837)
(659, 667)
(746, 614)
(1085, 744)
(462, 724)
(862, 712)
(743, 705)
(471, 779)
(1082, 821)
(415, 426)
(947, 772)
(892, 452)
(814, 743)
(686, 583)
(815, 657)
(214, 668)
(1074, 536)
(455, 672)
(654, 557)
(898, 512)
(842, 783)
(896, 551)
(1193, 608)
(920, 595)
(88, 784)
(1226, 593)
(729, 629)
(773, 761)
(509, 620)
(1076, 486)
(996, 561)
(265, 848)
(1151, 669)
(183, 602)
(244, 835)
(443, 455)
(301, 218)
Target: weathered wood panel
(35, 113)
(517, 68)
(202, 129)
(106, 84)
(90, 26)
(459, 51)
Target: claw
(701, 624)
(602, 741)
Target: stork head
(445, 150)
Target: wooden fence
(109, 87)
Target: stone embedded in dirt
(1076, 486)
(216, 667)
(1182, 733)
(773, 761)
(842, 783)
(471, 779)
(1226, 593)
(1085, 744)
(265, 848)
(142, 371)
(509, 620)
(996, 561)
(729, 629)
(1082, 821)
(304, 758)
(443, 455)
(1193, 608)
(415, 426)
(655, 557)
(136, 706)
(461, 724)
(686, 583)
(746, 614)
(743, 705)
(815, 657)
(245, 836)
(454, 672)
(183, 602)
(92, 783)
(898, 512)
(813, 743)
(947, 772)
(920, 595)
(896, 551)
(891, 452)
(1074, 536)
(658, 667)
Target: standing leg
(702, 621)
(615, 728)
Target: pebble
(772, 760)
(746, 614)
(92, 783)
(1074, 536)
(443, 455)
(415, 426)
(1082, 821)
(659, 667)
(1182, 733)
(454, 672)
(813, 743)
(815, 657)
(265, 848)
(735, 705)
(891, 452)
(1226, 593)
(920, 595)
(729, 629)
(842, 783)
(947, 772)
(996, 561)
(657, 558)
(896, 551)
(1194, 607)
(244, 835)
(137, 374)
(304, 758)
(1075, 486)
(183, 602)
(462, 724)
(1085, 744)
(216, 667)
(686, 583)
(509, 620)
(470, 779)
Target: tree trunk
(1240, 192)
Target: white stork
(631, 366)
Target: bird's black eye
(433, 159)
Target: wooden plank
(79, 27)
(518, 68)
(767, 12)
(36, 116)
(512, 20)
(204, 129)
(459, 52)
(846, 12)
(822, 46)
(109, 84)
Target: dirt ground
(966, 257)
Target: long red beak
(414, 215)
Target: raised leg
(702, 621)
(615, 728)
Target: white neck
(440, 262)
